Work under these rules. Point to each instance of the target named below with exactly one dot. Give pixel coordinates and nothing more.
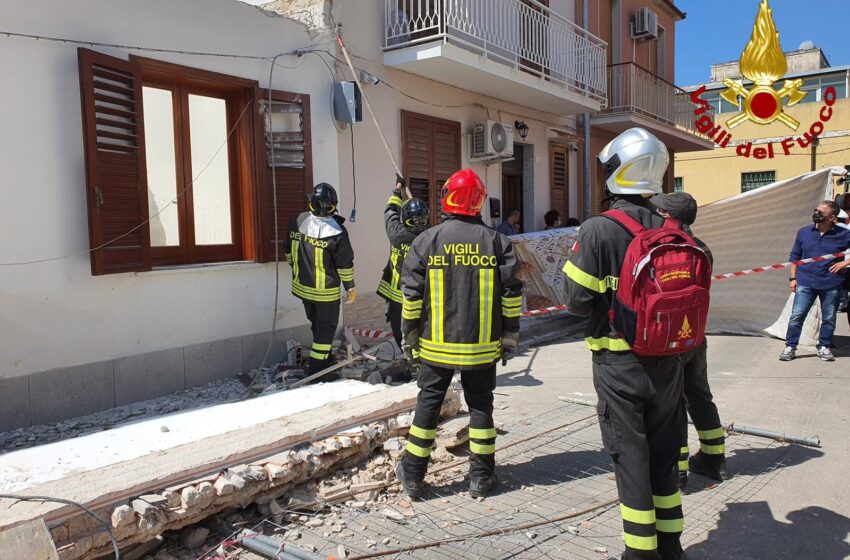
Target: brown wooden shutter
(292, 168)
(559, 180)
(116, 178)
(431, 150)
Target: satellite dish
(499, 137)
(807, 45)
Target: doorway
(512, 186)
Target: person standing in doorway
(508, 227)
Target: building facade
(759, 154)
(641, 35)
(154, 151)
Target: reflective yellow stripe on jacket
(459, 354)
(411, 309)
(485, 304)
(511, 306)
(386, 290)
(435, 276)
(582, 278)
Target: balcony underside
(456, 66)
(675, 138)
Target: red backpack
(661, 304)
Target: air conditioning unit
(645, 24)
(491, 140)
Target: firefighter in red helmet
(461, 311)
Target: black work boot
(683, 481)
(481, 487)
(631, 554)
(711, 466)
(411, 487)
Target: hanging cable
(270, 140)
(353, 176)
(44, 499)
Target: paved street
(783, 502)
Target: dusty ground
(784, 502)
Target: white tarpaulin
(755, 229)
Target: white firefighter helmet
(635, 163)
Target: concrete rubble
(350, 466)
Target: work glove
(510, 346)
(410, 347)
(352, 296)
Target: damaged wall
(314, 14)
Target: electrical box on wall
(347, 104)
(495, 208)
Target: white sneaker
(826, 354)
(788, 354)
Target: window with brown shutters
(559, 180)
(200, 189)
(285, 162)
(431, 150)
(115, 163)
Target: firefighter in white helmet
(640, 409)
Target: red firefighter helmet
(463, 193)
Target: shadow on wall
(748, 531)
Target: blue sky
(718, 30)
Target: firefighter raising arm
(343, 257)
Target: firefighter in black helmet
(319, 250)
(403, 222)
(461, 311)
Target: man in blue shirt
(511, 219)
(818, 279)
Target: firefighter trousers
(641, 412)
(394, 318)
(701, 407)
(324, 318)
(478, 386)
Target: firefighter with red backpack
(644, 283)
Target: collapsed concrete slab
(168, 489)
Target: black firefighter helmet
(415, 215)
(323, 200)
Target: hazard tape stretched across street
(719, 277)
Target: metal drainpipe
(585, 124)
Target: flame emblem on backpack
(686, 331)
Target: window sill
(178, 269)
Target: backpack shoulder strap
(671, 223)
(630, 224)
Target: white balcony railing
(631, 89)
(524, 34)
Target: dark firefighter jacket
(461, 292)
(400, 239)
(321, 257)
(593, 271)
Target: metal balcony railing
(523, 34)
(631, 89)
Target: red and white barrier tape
(780, 265)
(372, 334)
(535, 312)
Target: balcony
(514, 50)
(637, 97)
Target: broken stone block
(404, 420)
(189, 497)
(224, 487)
(206, 490)
(238, 482)
(250, 473)
(172, 499)
(122, 515)
(59, 534)
(276, 473)
(146, 506)
(375, 378)
(394, 444)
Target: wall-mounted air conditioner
(645, 24)
(491, 140)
